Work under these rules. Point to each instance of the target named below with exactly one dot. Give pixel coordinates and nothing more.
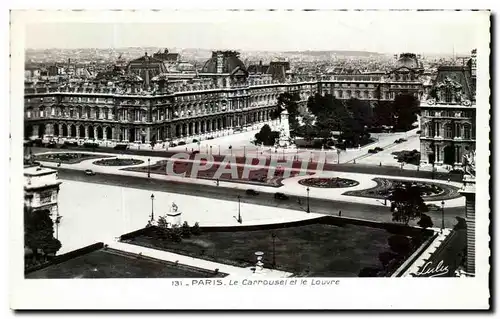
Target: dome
(229, 62)
(408, 60)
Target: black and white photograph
(240, 155)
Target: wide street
(321, 206)
(346, 167)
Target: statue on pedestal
(174, 217)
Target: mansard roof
(457, 78)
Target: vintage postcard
(268, 159)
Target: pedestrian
(340, 213)
(217, 182)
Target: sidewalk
(290, 185)
(233, 271)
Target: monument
(174, 217)
(285, 141)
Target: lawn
(316, 250)
(109, 263)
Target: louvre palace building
(158, 98)
(448, 116)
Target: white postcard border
(372, 293)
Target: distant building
(150, 99)
(167, 57)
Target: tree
(162, 222)
(425, 221)
(266, 136)
(405, 110)
(39, 235)
(196, 230)
(185, 230)
(407, 203)
(175, 233)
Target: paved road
(352, 168)
(322, 206)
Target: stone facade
(213, 104)
(41, 190)
(448, 117)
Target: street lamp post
(308, 207)
(442, 215)
(239, 219)
(149, 167)
(338, 155)
(210, 149)
(152, 211)
(219, 150)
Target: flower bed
(118, 162)
(429, 191)
(66, 158)
(331, 182)
(256, 177)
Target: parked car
(181, 143)
(372, 151)
(195, 141)
(379, 149)
(172, 144)
(210, 138)
(51, 144)
(252, 192)
(196, 152)
(280, 196)
(89, 172)
(433, 207)
(121, 147)
(456, 171)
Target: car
(89, 172)
(372, 151)
(181, 143)
(196, 152)
(280, 196)
(252, 192)
(210, 138)
(172, 144)
(379, 149)
(433, 207)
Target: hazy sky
(388, 32)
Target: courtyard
(309, 249)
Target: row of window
(451, 113)
(449, 130)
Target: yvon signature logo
(429, 270)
